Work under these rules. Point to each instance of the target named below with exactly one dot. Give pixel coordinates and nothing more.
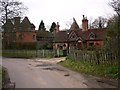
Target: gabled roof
(32, 25)
(74, 25)
(25, 21)
(8, 26)
(99, 34)
(62, 36)
(73, 36)
(26, 25)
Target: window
(91, 43)
(73, 36)
(92, 35)
(21, 36)
(64, 45)
(34, 37)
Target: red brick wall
(26, 37)
(84, 24)
(96, 43)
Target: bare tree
(68, 24)
(99, 22)
(10, 9)
(116, 5)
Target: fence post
(43, 52)
(98, 56)
(58, 52)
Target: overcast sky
(63, 11)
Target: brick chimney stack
(84, 24)
(57, 27)
(16, 22)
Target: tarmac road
(45, 73)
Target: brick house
(76, 38)
(18, 32)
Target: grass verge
(106, 71)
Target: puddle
(53, 68)
(29, 64)
(67, 75)
(85, 83)
(100, 81)
(41, 65)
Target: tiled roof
(8, 26)
(44, 34)
(25, 21)
(99, 34)
(25, 25)
(62, 36)
(74, 25)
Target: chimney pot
(57, 23)
(16, 20)
(83, 16)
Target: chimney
(84, 24)
(16, 22)
(57, 27)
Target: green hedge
(20, 46)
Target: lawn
(105, 71)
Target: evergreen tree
(113, 31)
(42, 26)
(53, 27)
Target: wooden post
(98, 56)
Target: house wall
(95, 43)
(61, 46)
(26, 36)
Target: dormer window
(92, 35)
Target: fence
(32, 53)
(95, 57)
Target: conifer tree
(42, 26)
(53, 27)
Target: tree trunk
(6, 14)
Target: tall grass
(101, 70)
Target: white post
(58, 52)
(43, 53)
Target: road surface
(45, 73)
